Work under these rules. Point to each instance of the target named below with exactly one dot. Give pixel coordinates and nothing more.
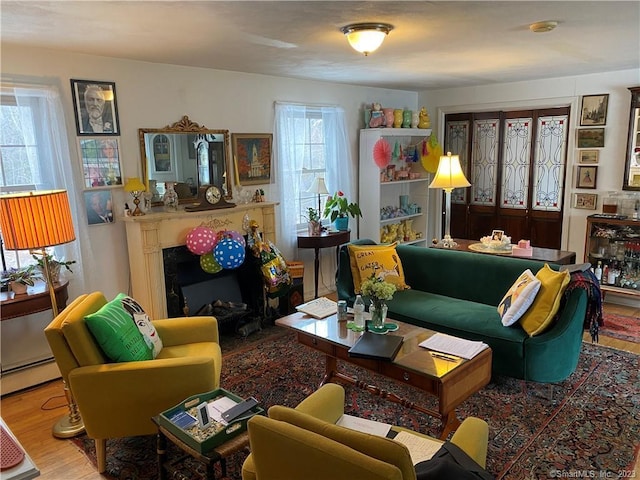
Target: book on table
(319, 308)
(374, 346)
(441, 342)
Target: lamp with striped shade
(34, 221)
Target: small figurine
(415, 119)
(377, 117)
(425, 121)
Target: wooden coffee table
(451, 381)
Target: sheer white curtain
(290, 138)
(54, 161)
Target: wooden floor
(31, 413)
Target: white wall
(551, 93)
(154, 95)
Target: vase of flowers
(379, 292)
(338, 209)
(314, 224)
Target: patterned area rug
(589, 422)
(622, 327)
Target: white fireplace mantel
(148, 235)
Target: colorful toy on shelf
(377, 117)
(424, 121)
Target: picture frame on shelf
(590, 137)
(594, 110)
(99, 206)
(95, 107)
(252, 157)
(589, 156)
(587, 177)
(586, 201)
(100, 159)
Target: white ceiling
(437, 44)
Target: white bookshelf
(375, 194)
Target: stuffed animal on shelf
(377, 117)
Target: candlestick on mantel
(235, 168)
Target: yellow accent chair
(119, 399)
(305, 443)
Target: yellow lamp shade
(36, 219)
(449, 174)
(134, 185)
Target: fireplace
(148, 236)
(232, 294)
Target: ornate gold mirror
(186, 155)
(632, 166)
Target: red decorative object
(382, 153)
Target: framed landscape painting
(252, 157)
(589, 156)
(590, 137)
(594, 110)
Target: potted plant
(21, 278)
(314, 225)
(338, 209)
(379, 292)
(55, 266)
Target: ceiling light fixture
(543, 27)
(366, 37)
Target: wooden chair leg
(101, 454)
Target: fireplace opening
(235, 297)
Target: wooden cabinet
(615, 244)
(393, 200)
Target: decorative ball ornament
(200, 240)
(208, 263)
(229, 253)
(382, 153)
(233, 235)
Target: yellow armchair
(305, 443)
(119, 399)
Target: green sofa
(458, 292)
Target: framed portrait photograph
(95, 107)
(590, 137)
(99, 206)
(497, 235)
(252, 157)
(589, 156)
(587, 177)
(594, 110)
(586, 201)
(100, 158)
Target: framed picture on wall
(252, 157)
(587, 177)
(586, 201)
(590, 137)
(100, 158)
(594, 110)
(99, 206)
(589, 156)
(95, 107)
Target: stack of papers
(441, 342)
(319, 308)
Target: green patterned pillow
(117, 334)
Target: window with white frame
(309, 142)
(34, 153)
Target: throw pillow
(547, 302)
(383, 260)
(143, 322)
(117, 334)
(519, 298)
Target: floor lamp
(34, 221)
(448, 177)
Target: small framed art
(589, 156)
(99, 206)
(252, 157)
(586, 201)
(100, 161)
(594, 110)
(95, 107)
(587, 177)
(590, 137)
